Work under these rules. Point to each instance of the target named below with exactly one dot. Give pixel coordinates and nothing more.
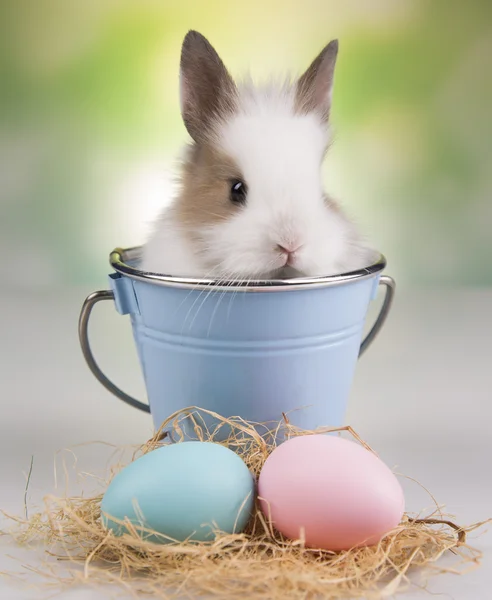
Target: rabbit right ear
(314, 88)
(207, 91)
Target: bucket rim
(119, 260)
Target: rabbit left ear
(314, 87)
(206, 88)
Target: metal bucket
(251, 349)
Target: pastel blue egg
(183, 491)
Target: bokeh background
(90, 124)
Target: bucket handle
(389, 283)
(95, 297)
(85, 314)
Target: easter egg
(331, 492)
(185, 491)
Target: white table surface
(422, 398)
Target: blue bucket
(257, 350)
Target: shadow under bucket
(250, 349)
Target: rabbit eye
(238, 192)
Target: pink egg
(339, 493)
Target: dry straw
(259, 563)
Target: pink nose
(289, 251)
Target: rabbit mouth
(287, 272)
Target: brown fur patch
(206, 182)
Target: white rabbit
(252, 204)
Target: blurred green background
(90, 124)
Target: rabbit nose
(289, 248)
(290, 251)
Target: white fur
(279, 153)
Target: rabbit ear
(314, 87)
(207, 90)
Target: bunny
(251, 204)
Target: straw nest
(259, 563)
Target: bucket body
(254, 354)
(258, 350)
